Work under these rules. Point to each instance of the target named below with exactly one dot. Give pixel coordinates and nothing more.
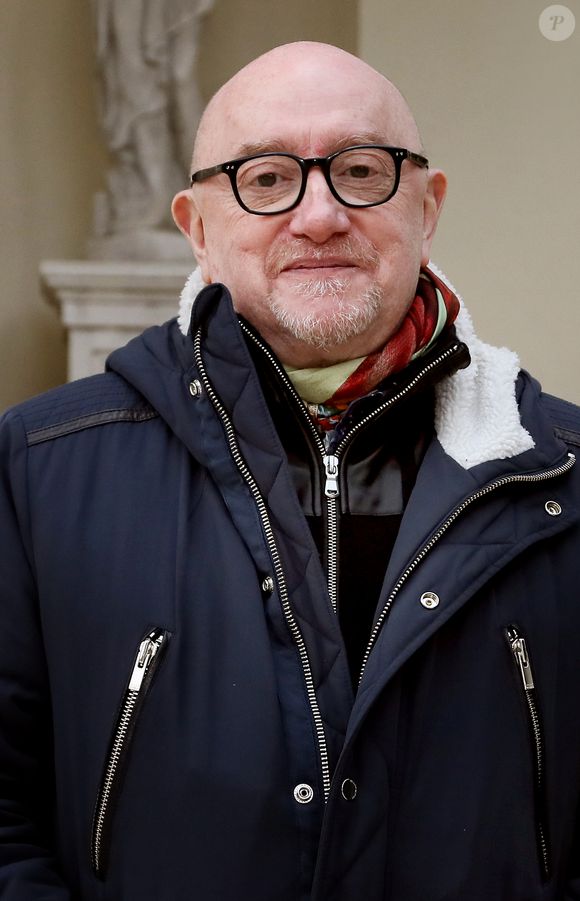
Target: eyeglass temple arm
(202, 174)
(416, 158)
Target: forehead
(306, 111)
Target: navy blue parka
(177, 718)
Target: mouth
(316, 266)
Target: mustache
(347, 248)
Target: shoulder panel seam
(47, 433)
(568, 435)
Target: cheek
(396, 223)
(223, 246)
(401, 236)
(398, 241)
(236, 255)
(242, 241)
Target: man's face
(323, 282)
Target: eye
(268, 173)
(368, 165)
(266, 183)
(358, 171)
(364, 175)
(267, 179)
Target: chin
(324, 314)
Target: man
(289, 597)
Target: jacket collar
(476, 411)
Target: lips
(309, 263)
(299, 256)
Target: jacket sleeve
(27, 864)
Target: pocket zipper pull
(522, 659)
(147, 651)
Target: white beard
(332, 319)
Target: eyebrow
(250, 148)
(366, 137)
(275, 146)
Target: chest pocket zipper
(145, 665)
(524, 665)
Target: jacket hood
(159, 364)
(476, 413)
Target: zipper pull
(522, 659)
(147, 651)
(331, 471)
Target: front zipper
(144, 666)
(524, 665)
(487, 489)
(331, 461)
(331, 466)
(276, 562)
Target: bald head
(324, 279)
(301, 76)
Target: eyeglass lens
(272, 183)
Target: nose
(319, 215)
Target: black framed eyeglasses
(269, 183)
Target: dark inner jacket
(384, 435)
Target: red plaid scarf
(414, 334)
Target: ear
(190, 223)
(432, 206)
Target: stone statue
(150, 105)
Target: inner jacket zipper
(331, 461)
(522, 660)
(146, 661)
(276, 563)
(487, 489)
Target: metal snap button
(195, 388)
(553, 508)
(303, 793)
(429, 599)
(268, 585)
(348, 789)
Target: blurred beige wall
(52, 157)
(496, 101)
(236, 31)
(498, 106)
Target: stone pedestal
(103, 304)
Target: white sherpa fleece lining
(193, 286)
(476, 414)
